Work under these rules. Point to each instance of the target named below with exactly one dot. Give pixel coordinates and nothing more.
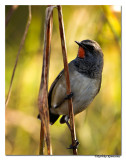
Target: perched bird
(85, 73)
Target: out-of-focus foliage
(99, 127)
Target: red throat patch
(81, 52)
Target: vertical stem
(10, 13)
(19, 51)
(43, 92)
(41, 140)
(66, 70)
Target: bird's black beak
(78, 43)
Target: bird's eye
(90, 47)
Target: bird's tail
(53, 117)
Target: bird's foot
(69, 95)
(75, 145)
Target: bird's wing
(53, 117)
(52, 87)
(57, 94)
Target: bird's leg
(76, 142)
(68, 124)
(65, 119)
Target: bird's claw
(76, 143)
(69, 95)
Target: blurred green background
(98, 128)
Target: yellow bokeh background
(98, 128)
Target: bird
(85, 73)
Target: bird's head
(90, 57)
(89, 48)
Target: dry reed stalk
(66, 70)
(20, 47)
(43, 92)
(10, 13)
